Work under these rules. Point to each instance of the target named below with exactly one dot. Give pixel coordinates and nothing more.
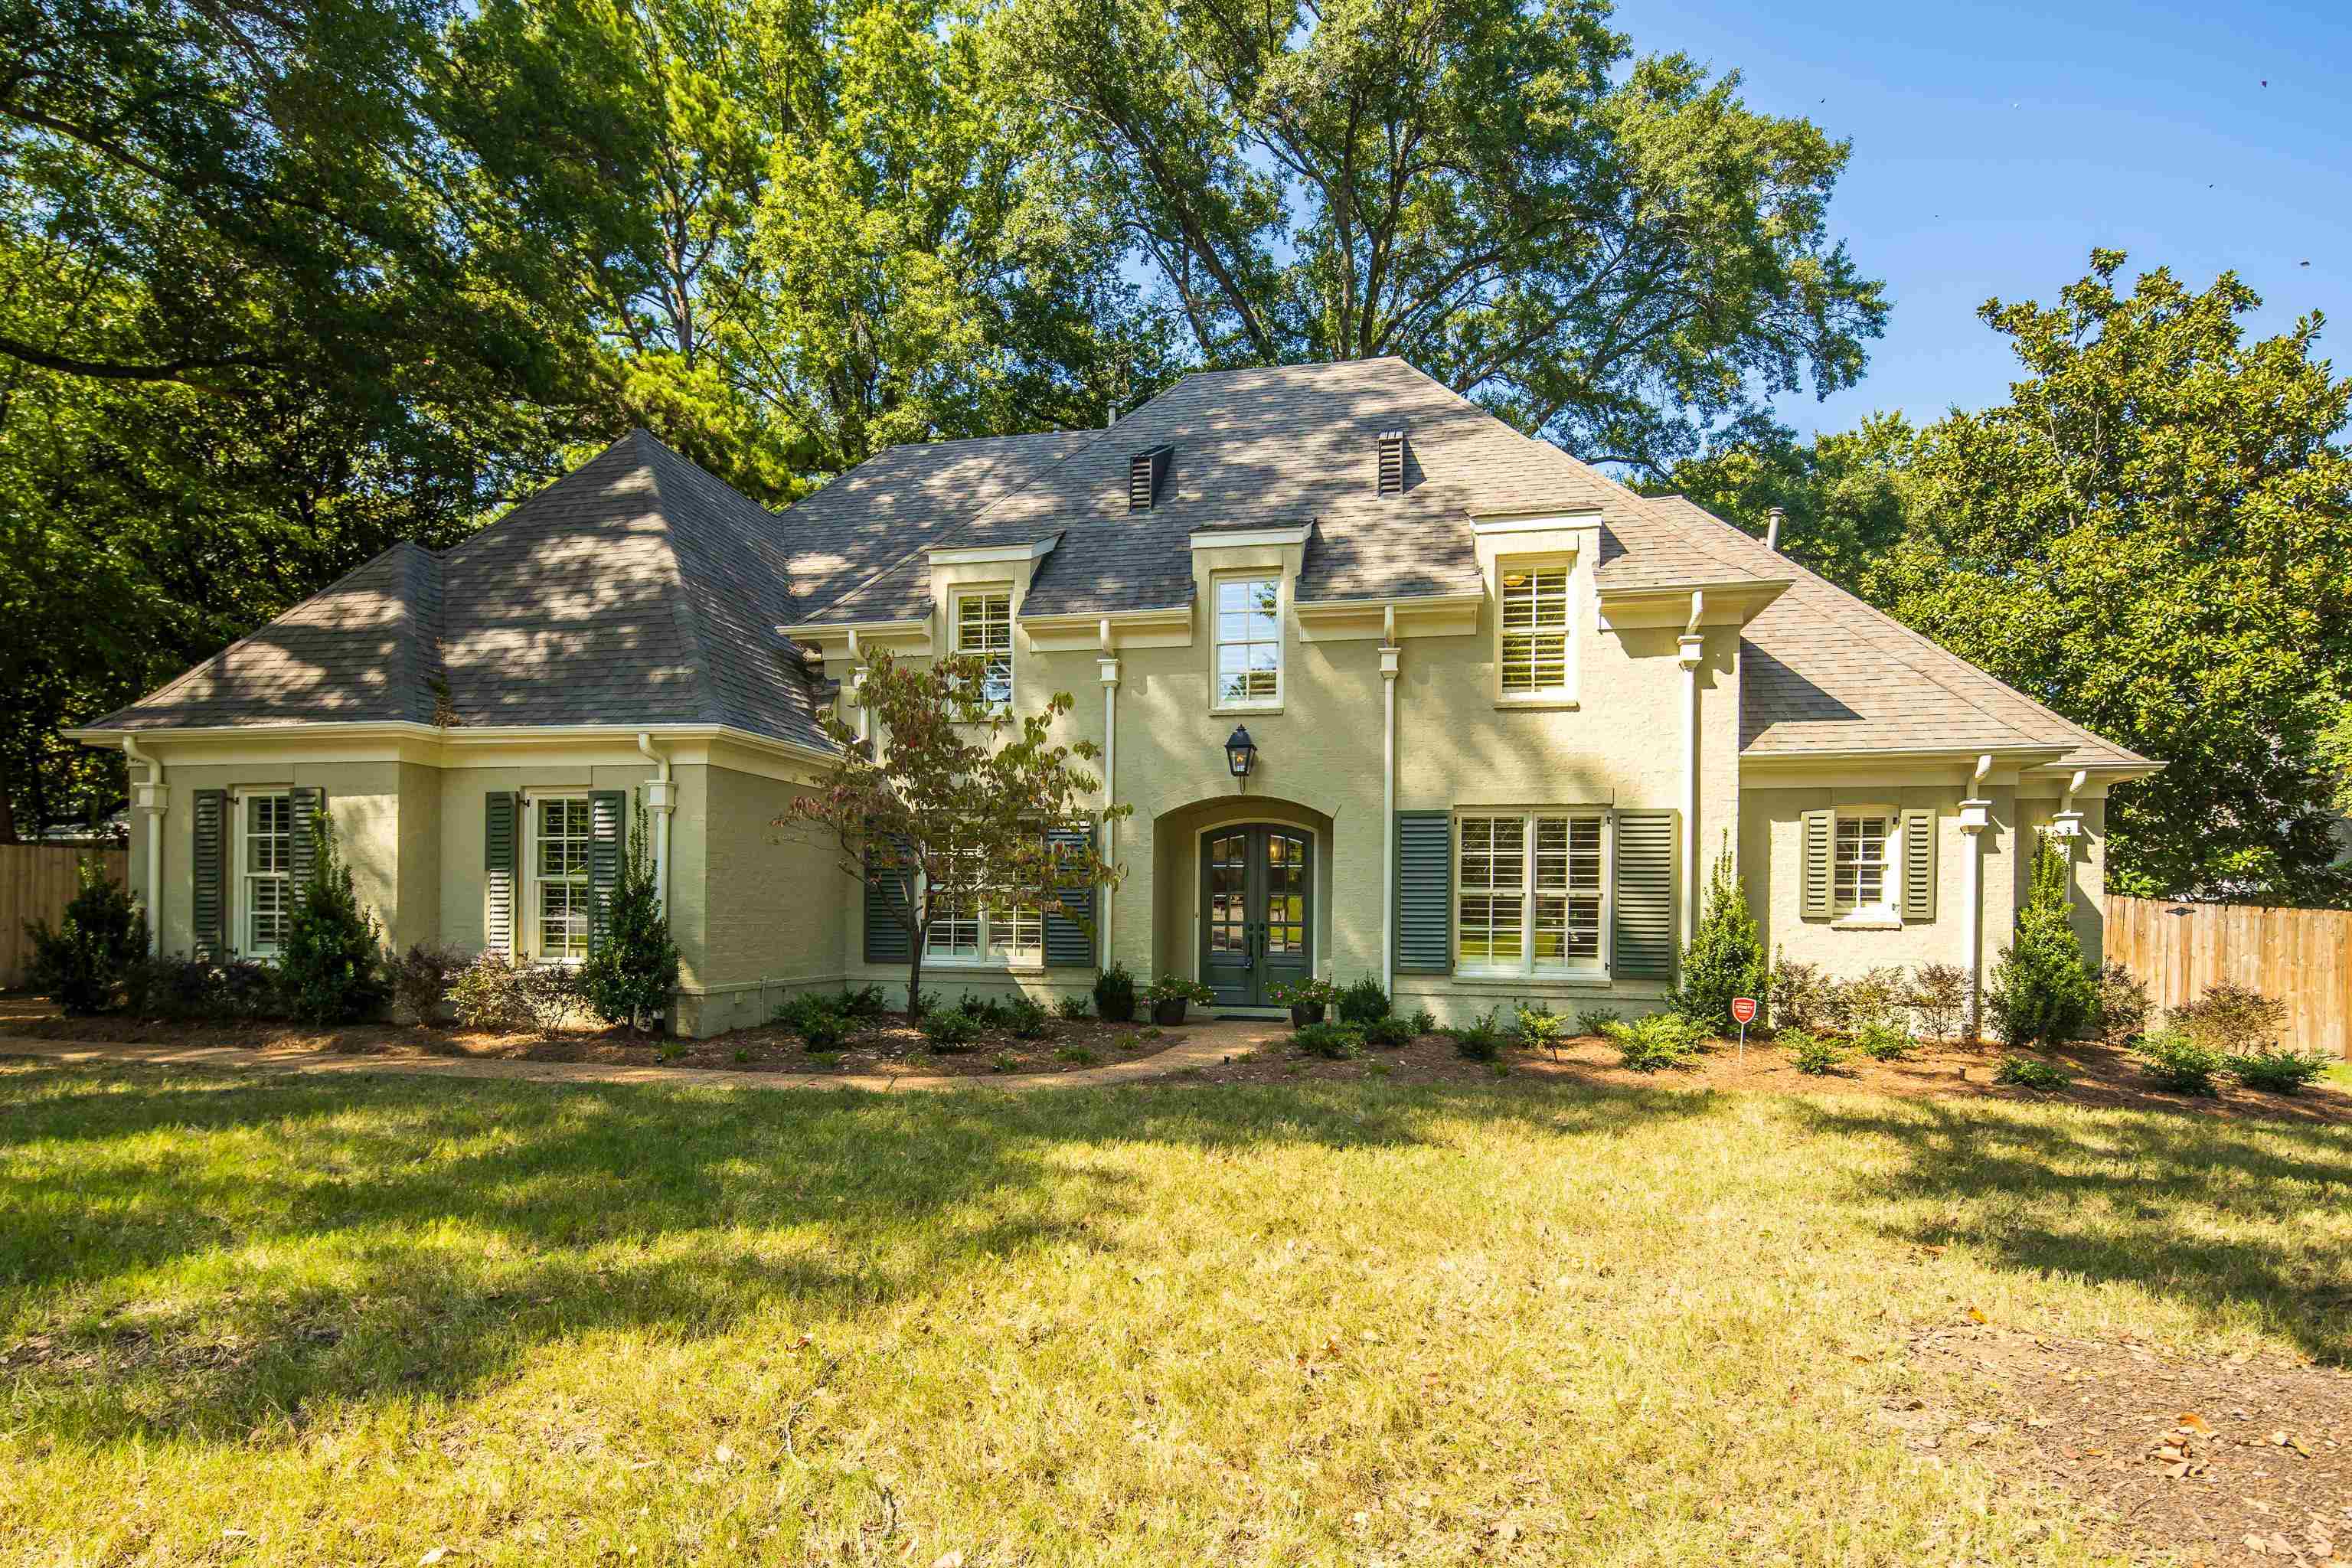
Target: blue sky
(1994, 145)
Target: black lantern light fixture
(1240, 753)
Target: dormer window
(1534, 654)
(1391, 468)
(1146, 472)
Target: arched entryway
(1244, 896)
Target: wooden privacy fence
(2304, 957)
(37, 882)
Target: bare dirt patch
(2237, 1460)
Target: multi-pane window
(561, 835)
(972, 921)
(1534, 654)
(984, 630)
(1527, 891)
(1249, 639)
(267, 861)
(1860, 868)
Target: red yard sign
(1743, 1009)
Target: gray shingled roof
(640, 590)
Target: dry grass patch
(365, 1319)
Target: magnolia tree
(951, 806)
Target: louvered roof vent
(1392, 479)
(1146, 472)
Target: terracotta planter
(1170, 1012)
(1305, 1012)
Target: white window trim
(958, 596)
(1281, 580)
(244, 945)
(981, 958)
(533, 944)
(1566, 694)
(1597, 966)
(1887, 913)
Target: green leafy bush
(2123, 1007)
(82, 963)
(1388, 1033)
(331, 962)
(1596, 1020)
(421, 978)
(951, 1029)
(865, 1002)
(1883, 1042)
(2029, 1072)
(1424, 1021)
(1004, 1061)
(2179, 1061)
(1115, 996)
(817, 1020)
(1073, 1007)
(631, 972)
(1333, 1042)
(1363, 1002)
(1724, 957)
(2042, 990)
(202, 990)
(2276, 1071)
(1079, 1054)
(1939, 996)
(1878, 997)
(2232, 1018)
(1027, 1018)
(497, 993)
(991, 1012)
(1659, 1040)
(1798, 994)
(1811, 1053)
(1481, 1039)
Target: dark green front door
(1256, 898)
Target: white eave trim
(1250, 538)
(812, 631)
(1535, 522)
(1062, 618)
(990, 555)
(450, 735)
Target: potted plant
(1167, 998)
(1306, 999)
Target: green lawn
(360, 1320)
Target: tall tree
(2150, 536)
(1841, 493)
(1613, 252)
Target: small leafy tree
(2042, 990)
(951, 809)
(80, 965)
(1726, 956)
(632, 973)
(331, 966)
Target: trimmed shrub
(951, 1030)
(2029, 1072)
(1332, 1042)
(80, 965)
(632, 973)
(552, 996)
(1883, 1042)
(1540, 1028)
(1115, 994)
(2123, 1008)
(2276, 1071)
(2179, 1061)
(1878, 998)
(865, 1002)
(2231, 1018)
(1424, 1021)
(1481, 1039)
(1388, 1033)
(991, 1012)
(1080, 1055)
(331, 962)
(1073, 1008)
(420, 977)
(1812, 1053)
(1659, 1040)
(817, 1020)
(201, 990)
(1596, 1020)
(1027, 1018)
(2042, 990)
(1796, 993)
(488, 994)
(1724, 957)
(1939, 997)
(1363, 1002)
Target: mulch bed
(886, 1044)
(2237, 1460)
(2103, 1076)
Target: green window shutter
(1820, 829)
(1424, 912)
(209, 863)
(500, 826)
(1643, 936)
(1070, 934)
(303, 804)
(608, 811)
(1918, 865)
(886, 941)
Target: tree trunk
(915, 979)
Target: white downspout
(1107, 663)
(1390, 655)
(1975, 815)
(660, 800)
(1690, 652)
(149, 798)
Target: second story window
(1534, 653)
(1249, 641)
(984, 630)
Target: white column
(1691, 650)
(1108, 665)
(149, 798)
(1975, 815)
(1390, 654)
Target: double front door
(1257, 894)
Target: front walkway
(1198, 1045)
